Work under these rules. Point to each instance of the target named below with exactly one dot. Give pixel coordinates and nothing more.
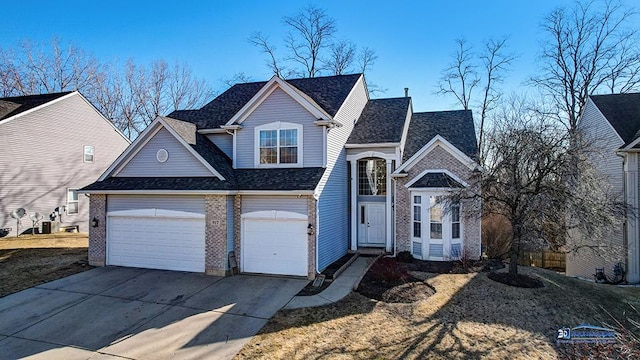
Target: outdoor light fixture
(94, 222)
(310, 229)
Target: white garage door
(156, 243)
(274, 242)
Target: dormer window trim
(278, 142)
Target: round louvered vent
(162, 155)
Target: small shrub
(388, 270)
(404, 257)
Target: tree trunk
(515, 250)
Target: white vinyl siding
(605, 141)
(41, 158)
(181, 162)
(224, 142)
(333, 203)
(279, 106)
(281, 203)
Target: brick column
(215, 235)
(312, 214)
(98, 235)
(237, 226)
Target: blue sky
(414, 40)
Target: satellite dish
(18, 213)
(35, 216)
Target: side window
(88, 153)
(72, 201)
(417, 216)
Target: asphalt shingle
(436, 180)
(623, 113)
(455, 126)
(381, 121)
(11, 106)
(329, 92)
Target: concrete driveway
(111, 313)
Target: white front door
(372, 224)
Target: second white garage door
(156, 243)
(274, 242)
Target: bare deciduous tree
(462, 77)
(312, 31)
(587, 49)
(546, 189)
(312, 50)
(262, 42)
(341, 57)
(131, 96)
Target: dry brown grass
(62, 240)
(470, 316)
(30, 260)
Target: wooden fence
(544, 259)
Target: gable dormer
(280, 127)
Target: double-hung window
(72, 201)
(279, 144)
(88, 153)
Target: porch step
(368, 251)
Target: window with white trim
(88, 153)
(72, 201)
(455, 220)
(417, 216)
(279, 144)
(372, 177)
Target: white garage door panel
(157, 243)
(275, 246)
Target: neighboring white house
(290, 175)
(51, 145)
(612, 123)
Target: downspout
(625, 224)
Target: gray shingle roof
(329, 92)
(279, 179)
(436, 180)
(244, 179)
(161, 183)
(623, 113)
(455, 126)
(381, 121)
(11, 106)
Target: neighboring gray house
(612, 122)
(290, 175)
(52, 145)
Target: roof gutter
(212, 131)
(379, 145)
(200, 192)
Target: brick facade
(438, 158)
(237, 225)
(98, 235)
(216, 235)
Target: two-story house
(290, 175)
(612, 124)
(52, 145)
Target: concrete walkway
(338, 289)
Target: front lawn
(30, 260)
(469, 316)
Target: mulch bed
(519, 280)
(389, 280)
